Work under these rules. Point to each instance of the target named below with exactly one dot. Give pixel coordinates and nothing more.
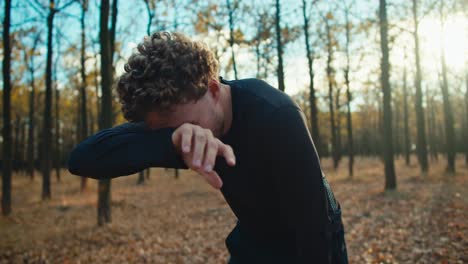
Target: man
(245, 137)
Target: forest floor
(184, 220)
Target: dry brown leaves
(185, 221)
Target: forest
(383, 85)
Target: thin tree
(431, 124)
(150, 6)
(312, 96)
(22, 145)
(338, 115)
(57, 115)
(6, 155)
(279, 46)
(349, 121)
(390, 178)
(83, 86)
(406, 114)
(29, 55)
(106, 38)
(231, 35)
(466, 118)
(421, 143)
(47, 119)
(331, 82)
(16, 143)
(449, 130)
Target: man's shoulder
(261, 94)
(259, 105)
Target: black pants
(335, 234)
(336, 242)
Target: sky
(364, 68)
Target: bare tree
(466, 118)
(331, 83)
(312, 96)
(449, 130)
(231, 10)
(349, 123)
(29, 55)
(150, 10)
(279, 46)
(47, 119)
(421, 143)
(431, 124)
(406, 114)
(6, 157)
(106, 38)
(83, 86)
(150, 6)
(57, 131)
(390, 178)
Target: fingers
(210, 154)
(182, 138)
(212, 178)
(227, 152)
(187, 140)
(200, 148)
(200, 138)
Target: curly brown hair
(166, 70)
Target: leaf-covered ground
(185, 221)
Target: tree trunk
(421, 143)
(57, 126)
(231, 36)
(6, 155)
(96, 86)
(279, 47)
(83, 104)
(104, 186)
(390, 178)
(23, 147)
(406, 117)
(349, 123)
(339, 147)
(466, 118)
(47, 119)
(257, 43)
(312, 96)
(16, 143)
(330, 77)
(449, 130)
(431, 128)
(150, 13)
(31, 124)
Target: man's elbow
(80, 163)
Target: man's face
(206, 112)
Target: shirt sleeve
(124, 150)
(299, 183)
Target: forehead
(176, 116)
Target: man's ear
(214, 88)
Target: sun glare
(455, 40)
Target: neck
(227, 107)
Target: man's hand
(199, 149)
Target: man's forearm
(124, 150)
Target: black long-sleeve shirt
(275, 189)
